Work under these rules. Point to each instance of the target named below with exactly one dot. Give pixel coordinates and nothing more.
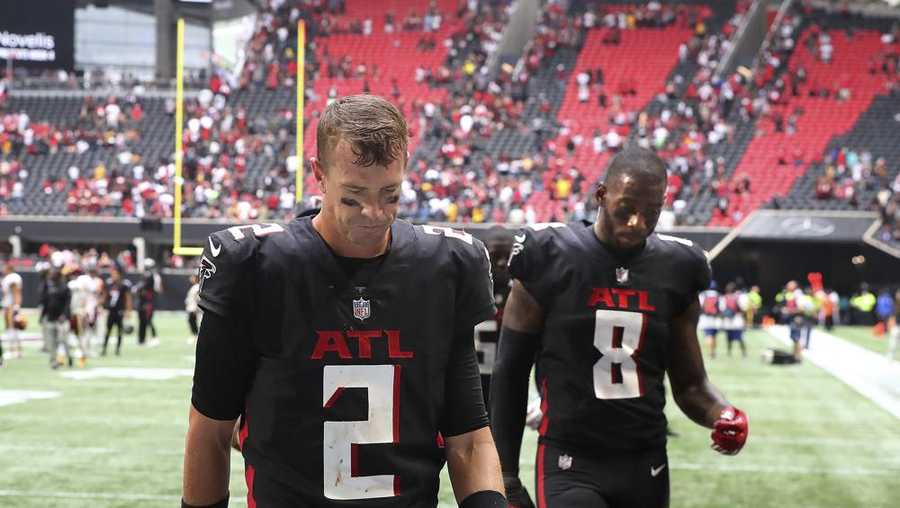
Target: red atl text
(619, 298)
(335, 341)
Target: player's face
(630, 208)
(361, 202)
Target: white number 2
(341, 439)
(259, 230)
(448, 232)
(618, 336)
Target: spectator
(884, 308)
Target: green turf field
(862, 336)
(118, 442)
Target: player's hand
(730, 431)
(516, 493)
(534, 415)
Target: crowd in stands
(463, 184)
(679, 129)
(218, 140)
(112, 124)
(219, 143)
(454, 177)
(82, 259)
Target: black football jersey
(604, 347)
(352, 390)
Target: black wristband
(221, 504)
(484, 499)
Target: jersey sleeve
(698, 272)
(464, 409)
(224, 367)
(530, 260)
(225, 271)
(475, 293)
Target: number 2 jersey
(604, 347)
(346, 383)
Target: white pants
(893, 339)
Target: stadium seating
(531, 155)
(774, 160)
(822, 118)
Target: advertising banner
(38, 34)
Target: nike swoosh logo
(654, 471)
(519, 238)
(213, 248)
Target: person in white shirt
(732, 306)
(710, 318)
(11, 284)
(85, 297)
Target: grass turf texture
(862, 337)
(110, 442)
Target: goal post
(178, 248)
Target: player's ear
(318, 173)
(600, 194)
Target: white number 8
(381, 382)
(618, 336)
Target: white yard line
(768, 468)
(125, 421)
(169, 500)
(68, 450)
(823, 441)
(870, 374)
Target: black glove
(516, 493)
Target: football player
(11, 285)
(488, 332)
(343, 341)
(608, 308)
(118, 304)
(84, 307)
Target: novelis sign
(38, 34)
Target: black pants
(145, 320)
(618, 479)
(113, 318)
(192, 322)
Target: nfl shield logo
(361, 309)
(565, 462)
(622, 275)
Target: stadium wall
(772, 263)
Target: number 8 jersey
(345, 381)
(604, 347)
